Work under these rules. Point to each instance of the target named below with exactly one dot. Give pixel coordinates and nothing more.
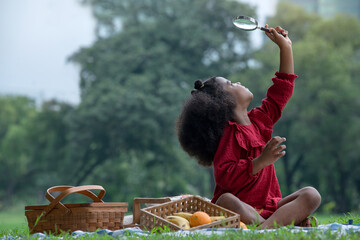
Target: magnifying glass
(249, 24)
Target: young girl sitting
(216, 128)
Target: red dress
(240, 144)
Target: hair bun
(198, 84)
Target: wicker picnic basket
(153, 217)
(57, 217)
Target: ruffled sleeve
(276, 98)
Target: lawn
(13, 222)
(13, 218)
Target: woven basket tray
(57, 217)
(153, 217)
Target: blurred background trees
(135, 78)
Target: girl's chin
(251, 96)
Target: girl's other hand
(272, 151)
(278, 38)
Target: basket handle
(138, 201)
(87, 193)
(66, 190)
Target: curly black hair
(201, 122)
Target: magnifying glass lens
(245, 24)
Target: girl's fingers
(277, 140)
(281, 154)
(273, 145)
(273, 35)
(275, 32)
(280, 148)
(269, 34)
(279, 29)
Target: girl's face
(242, 95)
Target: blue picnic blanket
(336, 228)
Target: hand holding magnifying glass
(249, 24)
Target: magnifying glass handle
(267, 30)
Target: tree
(329, 65)
(47, 140)
(15, 112)
(33, 146)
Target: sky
(38, 36)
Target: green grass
(13, 218)
(339, 218)
(13, 222)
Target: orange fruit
(199, 218)
(242, 225)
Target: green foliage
(32, 147)
(327, 112)
(293, 18)
(15, 115)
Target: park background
(133, 76)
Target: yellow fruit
(242, 225)
(180, 221)
(199, 218)
(217, 218)
(185, 215)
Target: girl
(216, 128)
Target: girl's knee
(247, 213)
(231, 202)
(225, 199)
(311, 196)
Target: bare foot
(309, 222)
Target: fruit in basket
(242, 225)
(185, 215)
(217, 218)
(180, 221)
(199, 218)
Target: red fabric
(240, 144)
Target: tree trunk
(343, 200)
(290, 171)
(87, 172)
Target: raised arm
(284, 43)
(274, 149)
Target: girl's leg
(294, 208)
(247, 213)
